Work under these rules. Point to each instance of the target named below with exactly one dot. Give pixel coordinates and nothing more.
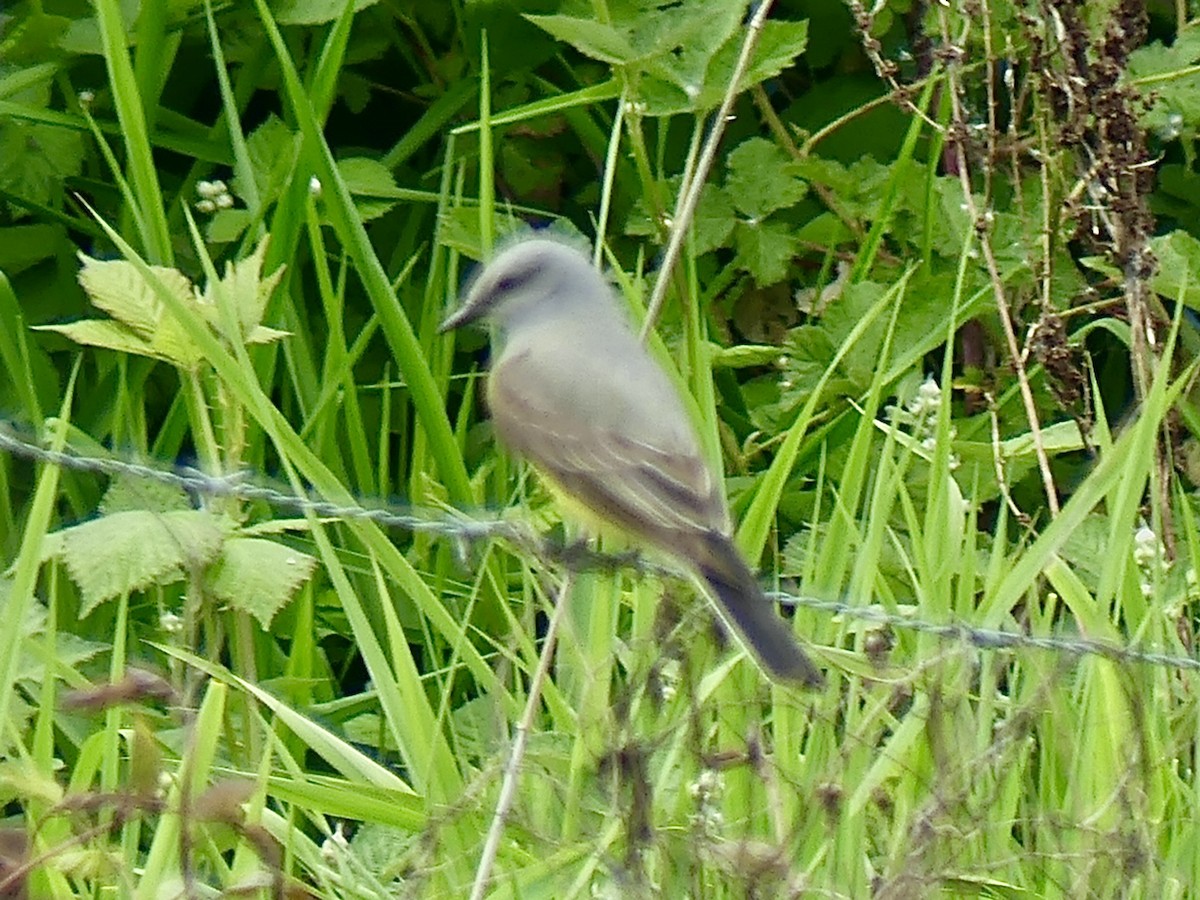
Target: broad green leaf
(314, 12)
(589, 37)
(370, 182)
(36, 160)
(116, 287)
(105, 334)
(762, 178)
(127, 493)
(244, 287)
(765, 249)
(129, 551)
(1168, 76)
(258, 576)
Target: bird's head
(535, 276)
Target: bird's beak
(461, 316)
(453, 321)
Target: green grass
(207, 694)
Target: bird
(573, 391)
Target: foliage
(935, 312)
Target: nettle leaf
(128, 493)
(258, 576)
(680, 45)
(591, 38)
(686, 52)
(131, 550)
(371, 183)
(778, 47)
(264, 335)
(244, 287)
(765, 249)
(763, 178)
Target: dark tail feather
(744, 606)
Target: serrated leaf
(264, 335)
(259, 576)
(371, 184)
(763, 178)
(129, 551)
(765, 249)
(119, 289)
(673, 87)
(145, 494)
(102, 333)
(589, 37)
(173, 344)
(243, 286)
(778, 46)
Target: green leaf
(765, 249)
(22, 246)
(762, 178)
(244, 287)
(370, 182)
(129, 551)
(1178, 275)
(589, 37)
(105, 334)
(36, 160)
(1176, 96)
(685, 52)
(778, 47)
(272, 148)
(714, 219)
(127, 493)
(314, 12)
(258, 576)
(118, 288)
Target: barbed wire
(460, 526)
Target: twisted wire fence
(476, 526)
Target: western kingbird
(573, 391)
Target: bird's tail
(743, 605)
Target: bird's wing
(649, 479)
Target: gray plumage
(573, 390)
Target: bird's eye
(514, 280)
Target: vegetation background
(936, 310)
